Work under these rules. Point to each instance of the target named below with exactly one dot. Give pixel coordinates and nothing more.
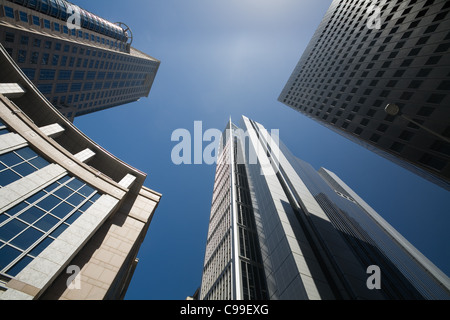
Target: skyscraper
(79, 61)
(279, 229)
(72, 216)
(366, 55)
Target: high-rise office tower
(72, 216)
(79, 70)
(279, 229)
(368, 54)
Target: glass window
(14, 271)
(24, 169)
(34, 58)
(11, 229)
(47, 74)
(17, 164)
(31, 215)
(7, 255)
(22, 57)
(24, 40)
(40, 247)
(49, 203)
(33, 225)
(62, 210)
(45, 59)
(75, 87)
(55, 60)
(9, 37)
(62, 87)
(9, 12)
(64, 74)
(37, 43)
(27, 238)
(23, 16)
(47, 223)
(36, 21)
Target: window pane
(36, 197)
(31, 215)
(75, 184)
(76, 199)
(17, 208)
(7, 255)
(86, 206)
(46, 223)
(41, 246)
(74, 217)
(3, 217)
(86, 190)
(11, 229)
(59, 230)
(49, 203)
(10, 159)
(39, 162)
(95, 197)
(62, 210)
(24, 169)
(63, 192)
(19, 266)
(27, 238)
(7, 177)
(27, 153)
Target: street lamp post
(393, 110)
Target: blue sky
(222, 59)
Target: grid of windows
(349, 73)
(31, 226)
(78, 63)
(19, 163)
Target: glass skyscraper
(72, 216)
(281, 230)
(366, 55)
(79, 70)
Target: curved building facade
(72, 216)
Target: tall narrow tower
(233, 267)
(281, 230)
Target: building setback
(72, 216)
(281, 230)
(351, 71)
(78, 70)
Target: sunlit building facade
(81, 63)
(354, 67)
(281, 230)
(72, 216)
